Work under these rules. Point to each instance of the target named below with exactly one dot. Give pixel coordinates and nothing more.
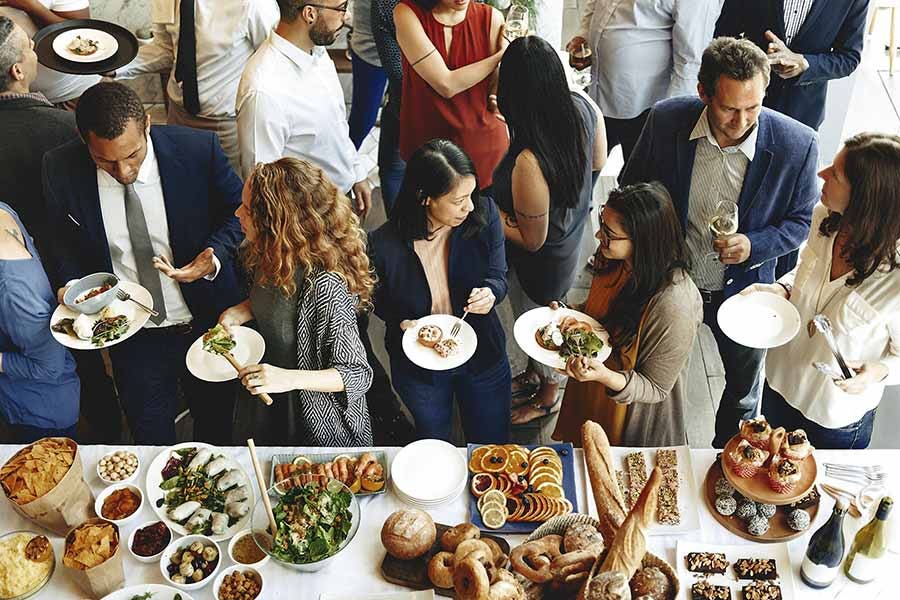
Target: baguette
(630, 544)
(602, 473)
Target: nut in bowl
(120, 466)
(147, 542)
(91, 294)
(238, 582)
(245, 548)
(191, 562)
(119, 503)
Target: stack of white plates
(429, 473)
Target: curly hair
(302, 220)
(106, 108)
(872, 167)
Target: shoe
(525, 384)
(539, 411)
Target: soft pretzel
(475, 549)
(440, 570)
(500, 558)
(532, 559)
(454, 536)
(573, 566)
(470, 580)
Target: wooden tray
(757, 488)
(414, 573)
(778, 527)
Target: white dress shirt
(866, 322)
(718, 175)
(795, 13)
(290, 103)
(112, 207)
(645, 50)
(227, 34)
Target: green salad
(218, 341)
(313, 520)
(578, 342)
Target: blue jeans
(852, 437)
(26, 434)
(391, 168)
(483, 402)
(368, 90)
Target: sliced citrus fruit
(495, 460)
(354, 487)
(477, 454)
(553, 490)
(494, 506)
(494, 518)
(494, 495)
(301, 460)
(481, 483)
(543, 478)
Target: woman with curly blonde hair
(309, 274)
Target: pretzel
(573, 566)
(532, 559)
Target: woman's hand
(236, 315)
(867, 373)
(266, 378)
(582, 368)
(481, 301)
(575, 43)
(407, 324)
(772, 288)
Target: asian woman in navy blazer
(442, 252)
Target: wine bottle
(826, 550)
(868, 546)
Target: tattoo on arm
(526, 216)
(13, 233)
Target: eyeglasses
(609, 235)
(341, 9)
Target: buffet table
(356, 571)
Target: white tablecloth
(357, 569)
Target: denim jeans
(483, 398)
(391, 168)
(851, 437)
(368, 90)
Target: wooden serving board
(414, 573)
(757, 488)
(778, 527)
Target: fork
(125, 296)
(863, 469)
(458, 325)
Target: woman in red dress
(451, 50)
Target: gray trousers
(225, 128)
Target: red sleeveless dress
(464, 118)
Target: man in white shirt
(61, 89)
(207, 62)
(134, 201)
(290, 101)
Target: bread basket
(558, 526)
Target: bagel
(500, 559)
(440, 570)
(470, 580)
(532, 559)
(475, 549)
(454, 536)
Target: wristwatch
(787, 288)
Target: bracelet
(787, 288)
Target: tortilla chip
(90, 545)
(36, 469)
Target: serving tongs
(266, 399)
(823, 324)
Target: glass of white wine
(516, 22)
(723, 223)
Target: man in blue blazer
(724, 146)
(137, 201)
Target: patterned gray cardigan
(328, 337)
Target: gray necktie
(148, 276)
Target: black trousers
(625, 132)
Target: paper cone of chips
(93, 557)
(44, 482)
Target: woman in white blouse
(848, 272)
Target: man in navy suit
(136, 201)
(724, 146)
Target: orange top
(464, 118)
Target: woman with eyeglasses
(451, 50)
(643, 296)
(848, 272)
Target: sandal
(525, 384)
(539, 411)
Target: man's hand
(200, 267)
(363, 192)
(575, 43)
(866, 373)
(785, 63)
(734, 250)
(481, 301)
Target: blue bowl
(84, 285)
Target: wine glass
(516, 22)
(723, 223)
(580, 60)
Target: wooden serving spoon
(267, 399)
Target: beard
(321, 35)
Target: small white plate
(159, 592)
(528, 324)
(759, 320)
(429, 471)
(108, 45)
(137, 317)
(429, 359)
(212, 367)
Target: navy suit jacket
(779, 190)
(402, 291)
(201, 192)
(831, 39)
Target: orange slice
(482, 483)
(477, 454)
(494, 461)
(543, 478)
(552, 490)
(354, 487)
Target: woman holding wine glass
(451, 50)
(848, 273)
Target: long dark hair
(650, 221)
(872, 167)
(535, 100)
(432, 171)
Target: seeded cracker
(667, 507)
(623, 487)
(637, 475)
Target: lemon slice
(492, 505)
(334, 486)
(494, 518)
(552, 490)
(301, 460)
(495, 495)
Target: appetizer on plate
(83, 46)
(312, 520)
(569, 337)
(96, 291)
(104, 327)
(359, 473)
(432, 336)
(218, 341)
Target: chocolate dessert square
(706, 562)
(806, 501)
(761, 590)
(704, 590)
(755, 568)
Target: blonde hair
(301, 219)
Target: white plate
(160, 592)
(212, 367)
(154, 493)
(136, 315)
(108, 45)
(429, 470)
(733, 553)
(759, 320)
(527, 324)
(428, 358)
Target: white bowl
(231, 545)
(98, 503)
(155, 557)
(128, 479)
(185, 542)
(232, 569)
